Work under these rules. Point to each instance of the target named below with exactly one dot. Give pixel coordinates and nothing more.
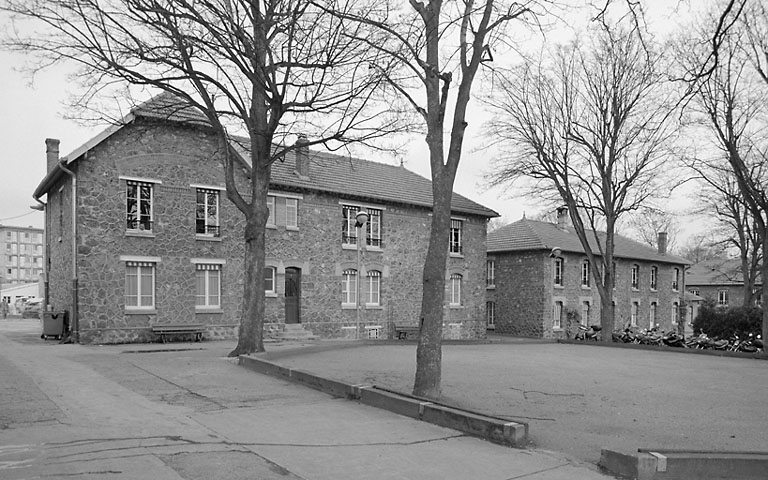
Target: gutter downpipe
(46, 231)
(74, 319)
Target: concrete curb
(493, 429)
(662, 464)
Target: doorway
(292, 295)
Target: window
(455, 246)
(208, 278)
(652, 315)
(654, 277)
(490, 273)
(490, 315)
(455, 299)
(694, 291)
(722, 298)
(207, 213)
(585, 274)
(635, 277)
(557, 315)
(557, 273)
(372, 226)
(269, 281)
(139, 206)
(373, 288)
(283, 211)
(633, 314)
(349, 287)
(585, 311)
(139, 285)
(675, 278)
(675, 313)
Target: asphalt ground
(577, 398)
(184, 411)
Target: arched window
(585, 274)
(490, 315)
(349, 287)
(557, 272)
(455, 298)
(373, 288)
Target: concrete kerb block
(325, 385)
(393, 402)
(265, 367)
(649, 464)
(493, 429)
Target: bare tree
(721, 199)
(441, 47)
(271, 69)
(731, 104)
(588, 127)
(647, 222)
(700, 248)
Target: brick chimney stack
(662, 243)
(51, 152)
(302, 157)
(562, 217)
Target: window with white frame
(675, 279)
(635, 277)
(139, 209)
(349, 287)
(654, 280)
(269, 281)
(633, 314)
(652, 315)
(557, 315)
(694, 291)
(372, 226)
(585, 274)
(139, 285)
(373, 288)
(207, 213)
(585, 312)
(456, 246)
(675, 313)
(208, 280)
(283, 211)
(490, 273)
(490, 315)
(557, 273)
(455, 298)
(722, 298)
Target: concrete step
(295, 332)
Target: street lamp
(361, 218)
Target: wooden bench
(404, 332)
(164, 331)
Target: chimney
(51, 152)
(662, 243)
(562, 217)
(302, 157)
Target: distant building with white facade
(21, 254)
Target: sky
(33, 109)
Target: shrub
(726, 322)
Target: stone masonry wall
(178, 158)
(525, 294)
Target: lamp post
(361, 218)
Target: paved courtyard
(580, 398)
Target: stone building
(538, 279)
(722, 281)
(141, 233)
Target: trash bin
(54, 324)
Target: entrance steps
(294, 332)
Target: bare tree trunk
(251, 337)
(429, 350)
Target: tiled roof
(716, 272)
(526, 235)
(345, 176)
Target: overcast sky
(33, 110)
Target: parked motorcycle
(588, 333)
